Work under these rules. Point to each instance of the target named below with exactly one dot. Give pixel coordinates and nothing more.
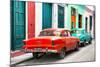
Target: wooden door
(31, 19)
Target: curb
(19, 59)
(16, 53)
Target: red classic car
(57, 41)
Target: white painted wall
(87, 14)
(54, 15)
(38, 18)
(66, 17)
(26, 21)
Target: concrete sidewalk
(21, 58)
(16, 53)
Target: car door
(87, 36)
(72, 40)
(83, 35)
(67, 39)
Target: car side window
(69, 33)
(64, 33)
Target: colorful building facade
(29, 18)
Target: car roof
(53, 29)
(78, 29)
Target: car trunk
(38, 43)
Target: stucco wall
(38, 22)
(80, 9)
(87, 14)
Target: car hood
(77, 35)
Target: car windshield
(46, 33)
(77, 31)
(50, 33)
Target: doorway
(80, 21)
(86, 21)
(46, 15)
(17, 24)
(60, 17)
(73, 18)
(31, 19)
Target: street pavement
(86, 53)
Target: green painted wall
(80, 9)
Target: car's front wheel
(83, 44)
(90, 42)
(77, 47)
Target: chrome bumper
(81, 42)
(45, 51)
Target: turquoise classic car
(84, 36)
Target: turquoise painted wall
(80, 10)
